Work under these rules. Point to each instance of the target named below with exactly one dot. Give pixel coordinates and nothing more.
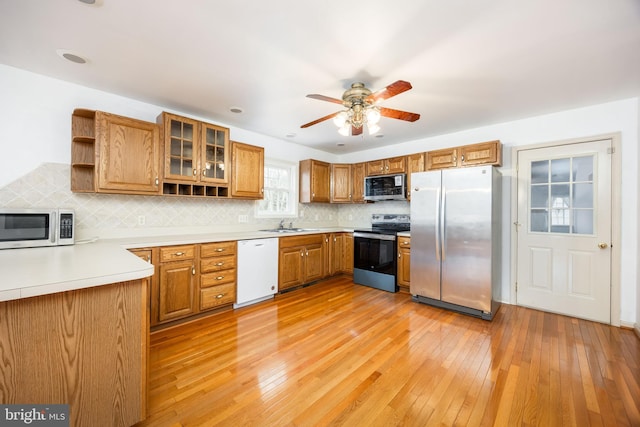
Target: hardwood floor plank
(336, 353)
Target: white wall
(36, 122)
(36, 114)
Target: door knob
(603, 245)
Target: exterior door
(564, 230)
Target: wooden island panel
(86, 348)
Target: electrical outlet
(142, 220)
(243, 218)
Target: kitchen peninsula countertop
(30, 272)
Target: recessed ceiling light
(71, 56)
(88, 1)
(340, 144)
(236, 110)
(380, 135)
(290, 135)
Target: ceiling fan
(362, 108)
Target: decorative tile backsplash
(114, 215)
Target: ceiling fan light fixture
(373, 129)
(373, 115)
(341, 118)
(344, 129)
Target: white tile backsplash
(115, 215)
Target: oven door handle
(374, 236)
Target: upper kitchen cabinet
(415, 163)
(358, 173)
(315, 181)
(113, 154)
(247, 171)
(196, 157)
(484, 153)
(341, 183)
(386, 166)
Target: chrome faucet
(281, 225)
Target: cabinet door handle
(301, 253)
(462, 158)
(157, 181)
(195, 172)
(193, 270)
(398, 255)
(204, 172)
(219, 296)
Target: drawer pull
(179, 253)
(219, 277)
(219, 264)
(405, 243)
(219, 296)
(220, 250)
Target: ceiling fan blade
(324, 98)
(392, 90)
(321, 119)
(397, 114)
(356, 131)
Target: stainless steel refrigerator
(455, 239)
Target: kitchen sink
(288, 230)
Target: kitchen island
(74, 330)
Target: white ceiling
(471, 63)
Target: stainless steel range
(375, 251)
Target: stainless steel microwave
(29, 228)
(385, 187)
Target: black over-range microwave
(385, 187)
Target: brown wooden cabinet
(358, 173)
(301, 260)
(176, 282)
(341, 186)
(386, 166)
(196, 157)
(114, 154)
(338, 253)
(150, 255)
(415, 163)
(217, 274)
(315, 181)
(484, 153)
(404, 263)
(247, 171)
(348, 253)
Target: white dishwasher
(257, 270)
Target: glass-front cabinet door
(214, 154)
(181, 147)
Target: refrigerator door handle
(443, 224)
(437, 233)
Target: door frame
(616, 213)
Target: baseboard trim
(637, 330)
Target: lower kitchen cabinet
(218, 262)
(404, 263)
(300, 260)
(339, 253)
(176, 283)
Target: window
(280, 190)
(562, 195)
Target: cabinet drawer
(177, 253)
(220, 263)
(217, 295)
(217, 278)
(217, 249)
(404, 242)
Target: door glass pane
(560, 169)
(540, 172)
(583, 168)
(583, 221)
(583, 195)
(560, 195)
(540, 196)
(539, 220)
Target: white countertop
(31, 272)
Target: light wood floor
(336, 353)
